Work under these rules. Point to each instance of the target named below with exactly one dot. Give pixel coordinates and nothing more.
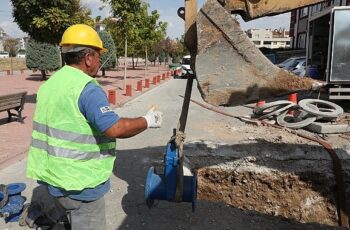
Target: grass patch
(17, 64)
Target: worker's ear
(88, 59)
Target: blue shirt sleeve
(94, 105)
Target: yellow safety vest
(66, 151)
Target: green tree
(162, 57)
(108, 58)
(124, 23)
(42, 56)
(176, 59)
(152, 58)
(173, 48)
(179, 49)
(151, 30)
(134, 25)
(21, 51)
(45, 21)
(11, 45)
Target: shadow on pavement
(132, 165)
(104, 83)
(36, 77)
(31, 98)
(4, 121)
(111, 77)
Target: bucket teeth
(230, 70)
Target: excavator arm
(252, 9)
(228, 67)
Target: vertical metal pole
(146, 58)
(11, 66)
(125, 63)
(158, 64)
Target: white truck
(186, 65)
(328, 48)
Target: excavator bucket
(229, 69)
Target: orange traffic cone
(293, 98)
(260, 103)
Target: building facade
(3, 35)
(22, 43)
(300, 19)
(272, 39)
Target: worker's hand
(154, 118)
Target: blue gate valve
(14, 206)
(163, 186)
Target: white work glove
(154, 118)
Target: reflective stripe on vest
(70, 136)
(70, 153)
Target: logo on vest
(105, 109)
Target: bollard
(147, 83)
(260, 103)
(163, 76)
(8, 72)
(293, 98)
(111, 96)
(139, 86)
(158, 79)
(128, 91)
(154, 80)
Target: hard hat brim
(103, 50)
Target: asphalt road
(125, 204)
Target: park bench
(13, 101)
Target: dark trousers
(84, 215)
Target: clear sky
(166, 8)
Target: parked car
(291, 63)
(300, 69)
(4, 54)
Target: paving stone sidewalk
(15, 137)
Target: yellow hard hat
(81, 34)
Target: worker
(74, 130)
